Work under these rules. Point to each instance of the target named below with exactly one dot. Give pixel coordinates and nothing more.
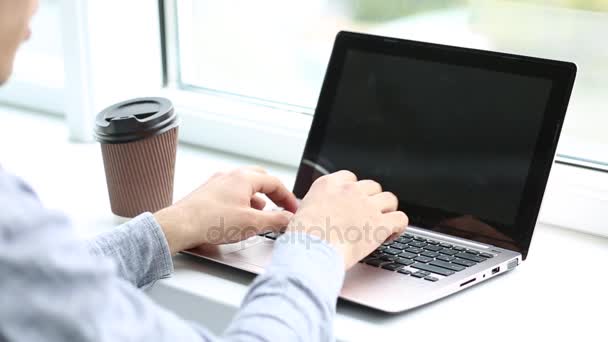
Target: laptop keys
(408, 255)
(449, 252)
(463, 262)
(417, 244)
(414, 250)
(428, 257)
(447, 265)
(420, 274)
(404, 240)
(445, 258)
(392, 251)
(388, 257)
(392, 266)
(430, 254)
(432, 248)
(423, 259)
(404, 262)
(398, 245)
(471, 257)
(433, 269)
(375, 262)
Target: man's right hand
(353, 216)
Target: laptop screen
(455, 143)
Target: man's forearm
(295, 299)
(139, 249)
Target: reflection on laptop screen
(456, 138)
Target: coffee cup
(138, 141)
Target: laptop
(465, 138)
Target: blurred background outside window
(277, 51)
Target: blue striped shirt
(56, 287)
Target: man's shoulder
(21, 211)
(13, 185)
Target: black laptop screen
(455, 138)
(454, 142)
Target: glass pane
(278, 50)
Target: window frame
(18, 92)
(574, 197)
(258, 125)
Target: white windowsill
(48, 97)
(70, 177)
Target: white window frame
(49, 98)
(576, 198)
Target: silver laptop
(465, 138)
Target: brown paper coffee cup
(139, 143)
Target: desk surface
(560, 292)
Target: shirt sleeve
(139, 249)
(54, 289)
(295, 299)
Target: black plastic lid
(134, 120)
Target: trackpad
(258, 254)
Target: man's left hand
(227, 209)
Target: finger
(344, 176)
(393, 237)
(267, 221)
(386, 201)
(397, 221)
(370, 187)
(397, 232)
(274, 189)
(255, 168)
(258, 202)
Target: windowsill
(70, 177)
(48, 97)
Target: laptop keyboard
(420, 257)
(424, 258)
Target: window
(275, 52)
(245, 75)
(38, 76)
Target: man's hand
(353, 216)
(226, 209)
